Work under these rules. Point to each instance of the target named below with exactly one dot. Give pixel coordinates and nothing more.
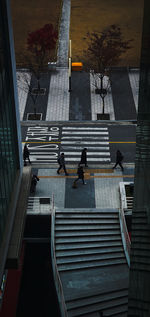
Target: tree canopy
(42, 41)
(105, 48)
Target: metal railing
(36, 207)
(123, 226)
(57, 279)
(124, 234)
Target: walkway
(124, 106)
(100, 182)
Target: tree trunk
(103, 105)
(38, 82)
(101, 79)
(35, 112)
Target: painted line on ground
(84, 132)
(85, 128)
(91, 176)
(88, 153)
(84, 142)
(42, 142)
(85, 137)
(122, 142)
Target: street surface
(45, 142)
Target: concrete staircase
(91, 262)
(139, 304)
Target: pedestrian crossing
(75, 138)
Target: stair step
(140, 226)
(77, 227)
(97, 314)
(85, 221)
(140, 266)
(140, 259)
(88, 258)
(87, 210)
(85, 265)
(117, 304)
(144, 253)
(87, 245)
(86, 215)
(119, 311)
(141, 214)
(136, 313)
(141, 233)
(82, 239)
(136, 303)
(93, 314)
(140, 246)
(97, 298)
(139, 221)
(88, 233)
(140, 239)
(93, 251)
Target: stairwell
(91, 262)
(139, 263)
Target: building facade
(139, 286)
(10, 136)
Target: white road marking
(85, 137)
(88, 154)
(85, 128)
(84, 142)
(85, 132)
(89, 159)
(88, 147)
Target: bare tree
(25, 84)
(104, 51)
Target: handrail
(124, 231)
(57, 280)
(125, 236)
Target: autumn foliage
(42, 41)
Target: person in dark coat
(34, 181)
(61, 162)
(84, 157)
(80, 173)
(26, 155)
(119, 159)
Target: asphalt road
(102, 140)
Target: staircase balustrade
(123, 226)
(124, 234)
(57, 280)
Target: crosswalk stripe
(84, 132)
(89, 148)
(95, 139)
(89, 159)
(88, 153)
(84, 142)
(85, 128)
(85, 137)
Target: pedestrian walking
(119, 159)
(26, 155)
(34, 181)
(80, 173)
(84, 157)
(61, 162)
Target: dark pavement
(41, 100)
(80, 97)
(123, 101)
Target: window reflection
(9, 160)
